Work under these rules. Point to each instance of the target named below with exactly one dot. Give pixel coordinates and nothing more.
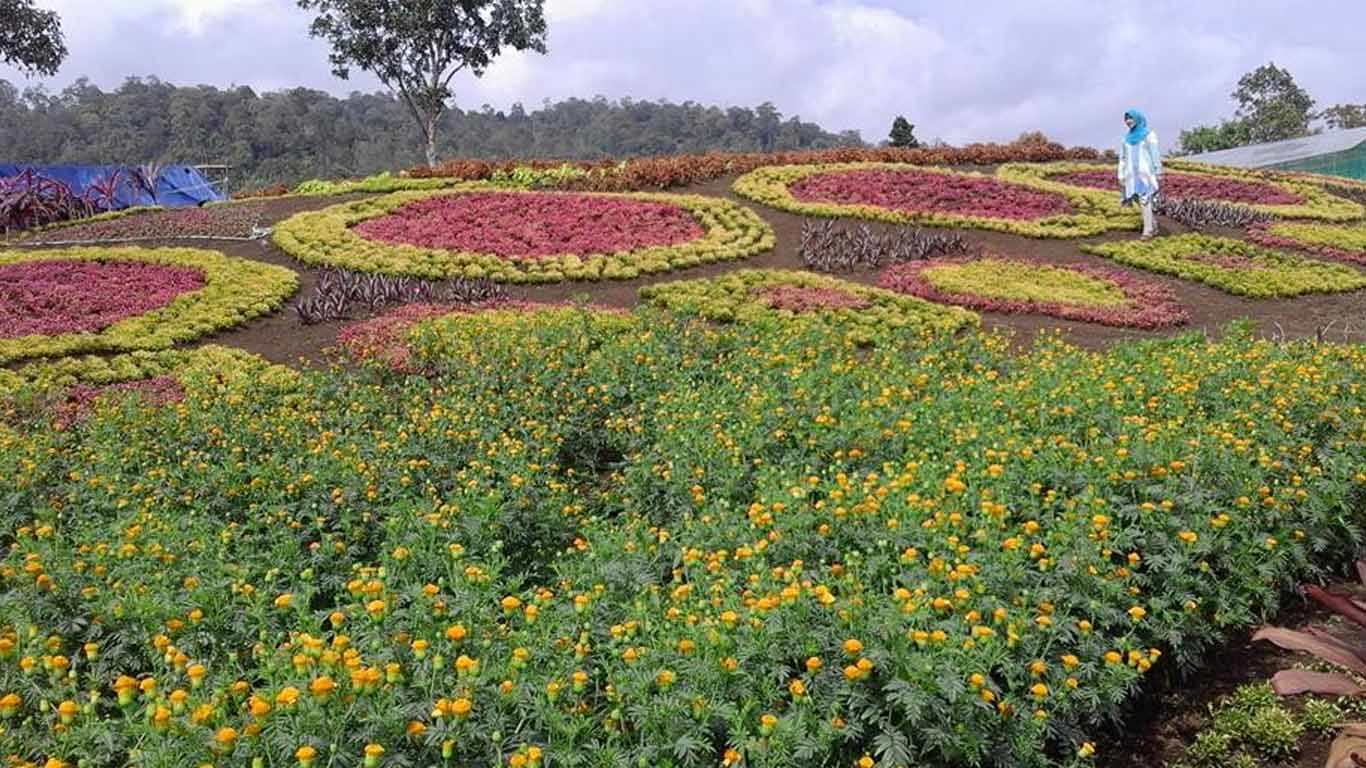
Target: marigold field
(581, 473)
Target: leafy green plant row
(1233, 266)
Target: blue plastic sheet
(178, 186)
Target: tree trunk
(429, 132)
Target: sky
(960, 70)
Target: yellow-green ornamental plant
(1314, 202)
(232, 292)
(1233, 266)
(187, 366)
(1076, 213)
(862, 314)
(730, 232)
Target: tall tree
(903, 134)
(415, 47)
(1273, 105)
(1342, 116)
(1212, 138)
(30, 38)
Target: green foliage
(537, 178)
(1273, 105)
(569, 491)
(1233, 266)
(875, 315)
(1322, 715)
(415, 47)
(31, 38)
(1212, 138)
(903, 134)
(1210, 749)
(1345, 116)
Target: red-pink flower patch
(48, 298)
(534, 226)
(929, 192)
(80, 399)
(1147, 305)
(800, 299)
(1195, 186)
(1261, 234)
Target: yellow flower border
(235, 291)
(771, 186)
(1319, 204)
(325, 237)
(226, 365)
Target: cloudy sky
(961, 70)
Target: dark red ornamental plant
(930, 192)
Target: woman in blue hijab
(1140, 168)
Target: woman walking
(1140, 168)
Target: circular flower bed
(1335, 241)
(928, 196)
(917, 191)
(525, 237)
(1233, 266)
(865, 315)
(61, 302)
(534, 227)
(990, 284)
(53, 297)
(1267, 193)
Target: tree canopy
(903, 134)
(292, 135)
(416, 47)
(30, 38)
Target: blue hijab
(1140, 130)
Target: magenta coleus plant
(80, 399)
(929, 192)
(47, 298)
(521, 226)
(1147, 304)
(1193, 186)
(800, 299)
(1262, 234)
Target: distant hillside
(286, 136)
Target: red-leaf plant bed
(46, 298)
(533, 227)
(928, 192)
(800, 299)
(1012, 286)
(80, 399)
(1193, 186)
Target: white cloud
(979, 70)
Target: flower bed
(1335, 241)
(1199, 186)
(864, 315)
(1233, 266)
(623, 249)
(1275, 195)
(49, 298)
(991, 284)
(62, 302)
(198, 369)
(523, 227)
(225, 221)
(928, 196)
(767, 546)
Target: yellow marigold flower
(511, 603)
(814, 664)
(10, 703)
(336, 619)
(1190, 537)
(322, 687)
(287, 696)
(853, 647)
(455, 633)
(1039, 690)
(226, 737)
(1071, 662)
(284, 601)
(461, 708)
(665, 678)
(258, 706)
(375, 608)
(373, 752)
(1087, 749)
(767, 722)
(305, 755)
(797, 688)
(1137, 612)
(1113, 657)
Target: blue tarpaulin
(178, 186)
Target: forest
(295, 134)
